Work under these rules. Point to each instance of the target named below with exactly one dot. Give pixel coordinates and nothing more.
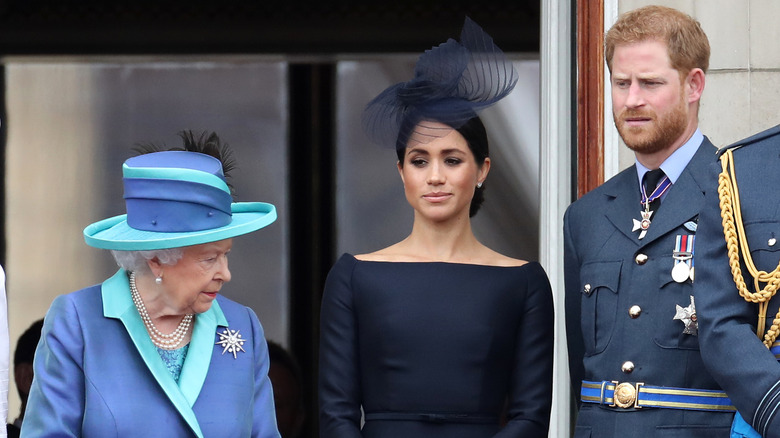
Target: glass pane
(72, 124)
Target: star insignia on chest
(688, 316)
(231, 341)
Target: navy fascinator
(452, 82)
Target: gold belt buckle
(626, 395)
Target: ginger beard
(653, 137)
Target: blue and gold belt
(775, 349)
(638, 395)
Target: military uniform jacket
(621, 301)
(733, 353)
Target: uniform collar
(674, 165)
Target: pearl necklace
(165, 341)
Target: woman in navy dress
(438, 335)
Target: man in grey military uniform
(629, 246)
(739, 335)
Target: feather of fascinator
(452, 83)
(205, 143)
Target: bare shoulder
(494, 258)
(478, 255)
(482, 255)
(372, 257)
(393, 253)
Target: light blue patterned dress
(174, 360)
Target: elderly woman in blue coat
(155, 350)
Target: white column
(555, 172)
(611, 137)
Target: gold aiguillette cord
(736, 242)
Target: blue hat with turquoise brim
(176, 199)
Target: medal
(644, 223)
(688, 316)
(682, 270)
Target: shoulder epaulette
(774, 131)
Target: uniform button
(627, 367)
(634, 312)
(586, 289)
(641, 259)
(772, 242)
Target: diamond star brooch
(231, 341)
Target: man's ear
(694, 85)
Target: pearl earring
(158, 280)
(479, 185)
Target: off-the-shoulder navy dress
(435, 350)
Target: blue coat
(97, 373)
(733, 353)
(608, 271)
